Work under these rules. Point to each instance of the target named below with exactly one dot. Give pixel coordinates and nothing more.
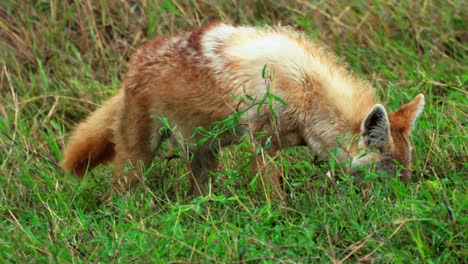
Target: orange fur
(91, 143)
(199, 77)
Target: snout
(380, 163)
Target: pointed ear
(375, 127)
(405, 117)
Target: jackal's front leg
(271, 174)
(203, 161)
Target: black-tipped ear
(375, 127)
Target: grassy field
(60, 59)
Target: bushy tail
(91, 144)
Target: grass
(60, 59)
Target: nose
(387, 164)
(355, 172)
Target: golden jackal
(196, 78)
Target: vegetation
(60, 59)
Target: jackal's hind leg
(137, 138)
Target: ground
(59, 60)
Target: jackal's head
(385, 139)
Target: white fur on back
(215, 38)
(253, 48)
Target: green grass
(60, 59)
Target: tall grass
(60, 59)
